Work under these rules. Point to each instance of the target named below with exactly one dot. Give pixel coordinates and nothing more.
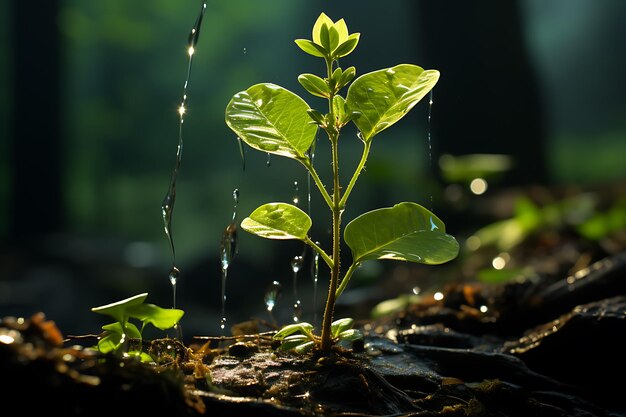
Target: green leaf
(161, 318)
(340, 325)
(333, 38)
(278, 221)
(339, 107)
(305, 347)
(346, 77)
(129, 329)
(325, 37)
(347, 46)
(271, 119)
(311, 48)
(317, 117)
(383, 97)
(342, 29)
(290, 329)
(350, 335)
(404, 232)
(314, 85)
(109, 343)
(113, 339)
(317, 27)
(118, 309)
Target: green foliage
(383, 97)
(271, 119)
(278, 221)
(117, 334)
(404, 232)
(300, 338)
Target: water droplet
(245, 51)
(272, 294)
(438, 296)
(296, 198)
(228, 250)
(242, 153)
(174, 275)
(228, 245)
(296, 266)
(297, 311)
(315, 271)
(416, 290)
(268, 162)
(296, 263)
(236, 200)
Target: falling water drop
(236, 199)
(297, 311)
(245, 51)
(271, 296)
(296, 266)
(268, 161)
(242, 153)
(296, 197)
(315, 271)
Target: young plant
(272, 119)
(118, 333)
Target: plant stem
(346, 279)
(307, 163)
(336, 209)
(319, 250)
(357, 172)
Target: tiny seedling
(271, 119)
(120, 332)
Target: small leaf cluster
(119, 333)
(300, 338)
(331, 40)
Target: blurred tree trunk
(487, 100)
(36, 143)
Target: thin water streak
(430, 145)
(167, 206)
(315, 271)
(228, 250)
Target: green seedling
(271, 119)
(300, 336)
(118, 334)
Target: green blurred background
(89, 125)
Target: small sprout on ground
(300, 338)
(118, 334)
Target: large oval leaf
(271, 119)
(278, 221)
(383, 97)
(404, 232)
